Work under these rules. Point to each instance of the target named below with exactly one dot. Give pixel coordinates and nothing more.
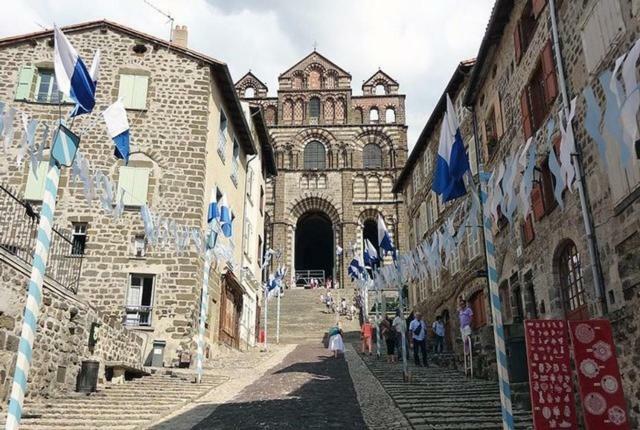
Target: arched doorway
(314, 247)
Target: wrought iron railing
(138, 316)
(305, 277)
(18, 229)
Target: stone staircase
(303, 318)
(132, 405)
(444, 399)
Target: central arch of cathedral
(338, 154)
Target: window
(134, 182)
(424, 222)
(139, 246)
(139, 305)
(528, 233)
(390, 115)
(34, 190)
(222, 136)
(476, 302)
(374, 115)
(249, 92)
(427, 163)
(261, 200)
(435, 282)
(359, 118)
(250, 178)
(416, 181)
(235, 164)
(571, 282)
(473, 241)
(543, 200)
(133, 91)
(79, 238)
(538, 95)
(47, 87)
(259, 250)
(526, 26)
(248, 234)
(379, 90)
(602, 29)
(493, 127)
(314, 110)
(314, 155)
(371, 156)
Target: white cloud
(419, 43)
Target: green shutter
(135, 182)
(125, 91)
(139, 97)
(25, 82)
(35, 186)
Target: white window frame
(79, 230)
(454, 261)
(134, 312)
(473, 242)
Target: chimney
(179, 36)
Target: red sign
(598, 375)
(550, 379)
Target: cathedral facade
(338, 156)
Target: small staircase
(132, 405)
(304, 319)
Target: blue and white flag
(212, 212)
(225, 216)
(115, 116)
(355, 269)
(384, 239)
(72, 75)
(370, 254)
(338, 250)
(452, 161)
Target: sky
(417, 42)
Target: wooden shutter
(25, 82)
(528, 234)
(517, 42)
(526, 113)
(548, 198)
(497, 109)
(549, 73)
(139, 95)
(135, 181)
(537, 202)
(537, 6)
(125, 90)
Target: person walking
(366, 334)
(438, 331)
(336, 344)
(399, 326)
(465, 314)
(389, 335)
(418, 329)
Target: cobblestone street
(309, 389)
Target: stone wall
(62, 339)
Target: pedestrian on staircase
(466, 315)
(418, 329)
(336, 344)
(438, 331)
(366, 334)
(399, 326)
(389, 335)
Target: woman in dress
(335, 340)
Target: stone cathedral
(338, 155)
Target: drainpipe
(242, 244)
(587, 215)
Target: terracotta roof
(452, 88)
(219, 70)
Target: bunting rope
(496, 309)
(34, 298)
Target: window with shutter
(548, 184)
(26, 78)
(603, 27)
(517, 42)
(135, 183)
(133, 91)
(549, 72)
(34, 190)
(526, 113)
(528, 233)
(536, 202)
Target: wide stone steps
(444, 399)
(303, 318)
(131, 405)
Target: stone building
(513, 92)
(338, 155)
(463, 276)
(189, 134)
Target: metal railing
(138, 316)
(305, 276)
(18, 230)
